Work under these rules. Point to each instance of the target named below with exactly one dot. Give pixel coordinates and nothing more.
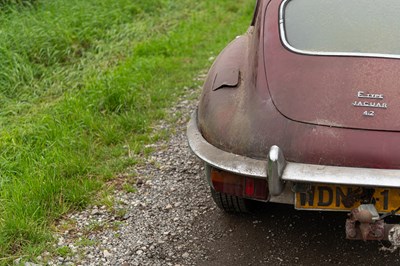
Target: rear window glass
(347, 27)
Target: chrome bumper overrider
(278, 171)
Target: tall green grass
(79, 82)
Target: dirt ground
(279, 235)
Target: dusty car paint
(247, 121)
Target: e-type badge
(367, 102)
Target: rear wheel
(231, 204)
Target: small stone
(106, 253)
(139, 252)
(185, 255)
(31, 264)
(168, 207)
(60, 241)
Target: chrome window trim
(321, 53)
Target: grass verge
(81, 83)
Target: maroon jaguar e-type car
(304, 109)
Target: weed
(129, 188)
(66, 225)
(120, 213)
(115, 226)
(93, 227)
(64, 251)
(85, 242)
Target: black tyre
(231, 204)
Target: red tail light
(249, 188)
(227, 182)
(237, 185)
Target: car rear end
(312, 117)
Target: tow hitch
(365, 223)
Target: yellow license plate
(332, 197)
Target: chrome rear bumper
(278, 171)
(221, 159)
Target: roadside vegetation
(81, 83)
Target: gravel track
(152, 226)
(171, 220)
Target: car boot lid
(350, 90)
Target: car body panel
(244, 119)
(326, 90)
